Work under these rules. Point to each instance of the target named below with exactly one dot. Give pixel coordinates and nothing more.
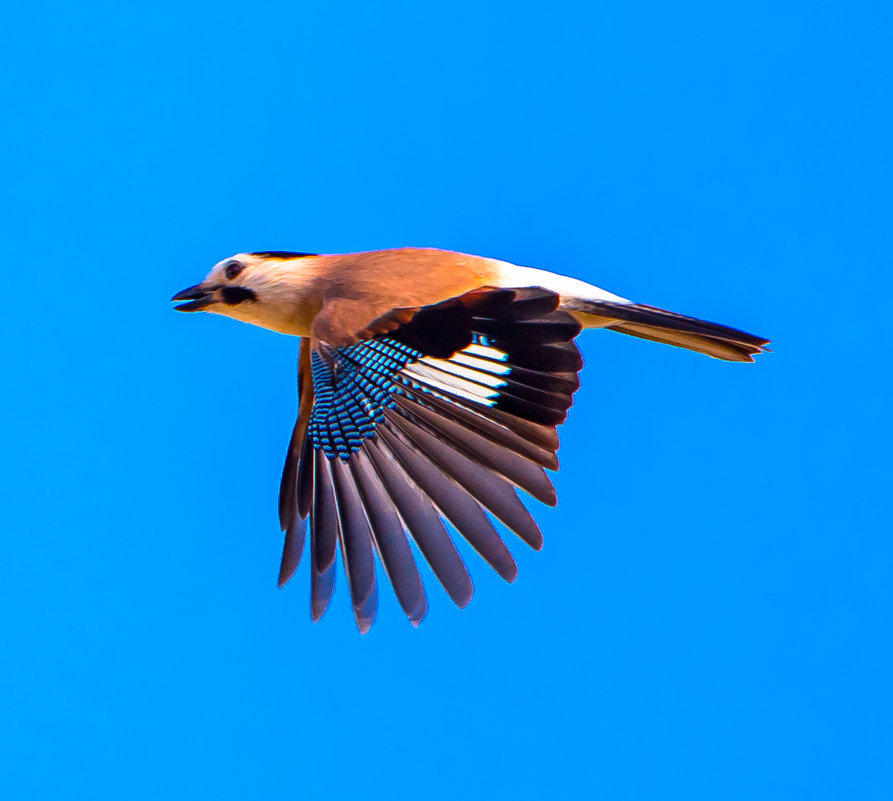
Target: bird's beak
(199, 298)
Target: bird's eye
(232, 269)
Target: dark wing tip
(535, 541)
(292, 549)
(464, 598)
(322, 585)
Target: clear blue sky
(711, 615)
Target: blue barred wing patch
(353, 387)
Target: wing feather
(356, 545)
(288, 507)
(390, 538)
(492, 491)
(422, 520)
(494, 431)
(521, 471)
(292, 549)
(324, 535)
(458, 506)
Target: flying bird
(431, 384)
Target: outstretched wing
(436, 413)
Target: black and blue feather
(353, 386)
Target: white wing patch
(484, 350)
(481, 365)
(468, 376)
(458, 370)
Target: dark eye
(232, 269)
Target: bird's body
(331, 297)
(431, 383)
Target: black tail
(659, 325)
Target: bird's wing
(291, 521)
(438, 412)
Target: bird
(430, 387)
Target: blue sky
(710, 617)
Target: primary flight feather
(431, 384)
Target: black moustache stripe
(234, 295)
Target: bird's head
(267, 289)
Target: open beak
(198, 296)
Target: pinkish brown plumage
(431, 384)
